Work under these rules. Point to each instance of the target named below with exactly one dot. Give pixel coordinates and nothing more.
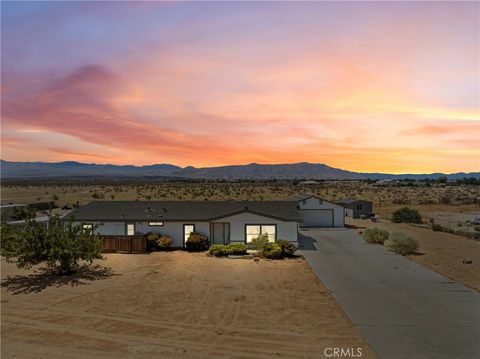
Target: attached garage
(316, 212)
(316, 217)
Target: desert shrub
(288, 249)
(218, 250)
(151, 240)
(59, 245)
(272, 251)
(236, 249)
(197, 242)
(406, 215)
(402, 244)
(164, 242)
(476, 228)
(375, 235)
(260, 242)
(436, 227)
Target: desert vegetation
(60, 246)
(402, 244)
(450, 205)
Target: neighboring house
(317, 212)
(222, 221)
(355, 208)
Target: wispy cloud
(211, 84)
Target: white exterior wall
(173, 229)
(285, 230)
(314, 203)
(108, 228)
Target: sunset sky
(387, 87)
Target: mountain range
(254, 171)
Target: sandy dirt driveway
(173, 305)
(454, 256)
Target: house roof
(351, 200)
(299, 197)
(181, 210)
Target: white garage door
(317, 217)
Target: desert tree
(58, 244)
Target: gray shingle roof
(299, 197)
(351, 200)
(181, 210)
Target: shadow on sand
(43, 278)
(306, 243)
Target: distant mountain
(32, 170)
(77, 169)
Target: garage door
(317, 218)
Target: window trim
(134, 228)
(261, 225)
(151, 224)
(184, 238)
(87, 224)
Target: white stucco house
(317, 212)
(222, 221)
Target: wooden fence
(124, 244)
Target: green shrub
(288, 249)
(406, 215)
(197, 242)
(402, 244)
(272, 251)
(260, 242)
(375, 235)
(164, 242)
(236, 249)
(60, 245)
(151, 240)
(437, 228)
(218, 250)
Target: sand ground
(441, 252)
(173, 305)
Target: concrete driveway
(402, 309)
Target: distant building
(309, 182)
(356, 207)
(317, 212)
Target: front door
(220, 233)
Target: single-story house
(222, 221)
(355, 208)
(317, 212)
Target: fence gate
(124, 244)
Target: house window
(130, 229)
(155, 224)
(304, 202)
(87, 227)
(254, 230)
(187, 230)
(359, 207)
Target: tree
(442, 179)
(60, 245)
(24, 212)
(406, 215)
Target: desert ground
(173, 304)
(451, 206)
(445, 253)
